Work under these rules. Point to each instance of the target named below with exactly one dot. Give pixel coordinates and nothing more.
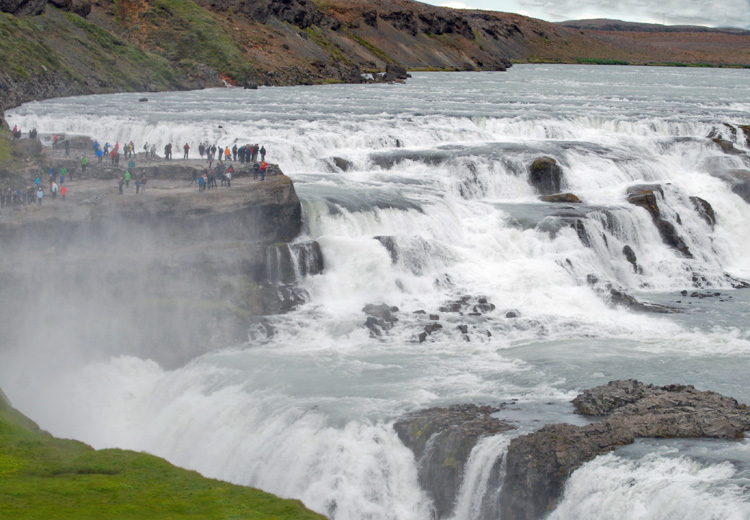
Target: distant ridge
(605, 24)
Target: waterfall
(419, 199)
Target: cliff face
(168, 275)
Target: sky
(711, 13)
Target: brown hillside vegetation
(111, 45)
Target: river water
(440, 165)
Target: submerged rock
(539, 463)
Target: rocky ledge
(539, 463)
(167, 274)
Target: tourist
(137, 186)
(201, 150)
(201, 183)
(37, 181)
(256, 170)
(33, 133)
(67, 147)
(262, 153)
(99, 155)
(54, 141)
(234, 152)
(127, 179)
(143, 183)
(39, 195)
(153, 151)
(131, 164)
(228, 175)
(187, 150)
(263, 167)
(63, 171)
(121, 183)
(63, 191)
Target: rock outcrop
(442, 440)
(539, 463)
(23, 7)
(545, 175)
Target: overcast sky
(713, 13)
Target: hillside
(68, 47)
(45, 477)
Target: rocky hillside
(64, 47)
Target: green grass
(42, 477)
(184, 32)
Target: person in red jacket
(187, 150)
(263, 167)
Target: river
(440, 166)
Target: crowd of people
(221, 156)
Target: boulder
(442, 440)
(545, 175)
(539, 463)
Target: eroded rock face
(545, 175)
(539, 463)
(23, 7)
(645, 196)
(442, 440)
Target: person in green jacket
(84, 163)
(127, 179)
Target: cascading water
(418, 196)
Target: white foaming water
(439, 170)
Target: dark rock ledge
(539, 463)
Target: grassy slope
(77, 50)
(45, 477)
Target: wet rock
(726, 146)
(743, 190)
(395, 72)
(342, 164)
(629, 254)
(705, 210)
(623, 299)
(512, 314)
(143, 100)
(442, 440)
(539, 463)
(545, 175)
(380, 318)
(463, 329)
(561, 197)
(434, 317)
(390, 244)
(645, 196)
(432, 327)
(484, 307)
